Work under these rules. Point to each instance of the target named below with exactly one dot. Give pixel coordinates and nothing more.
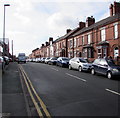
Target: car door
(96, 64)
(103, 67)
(76, 63)
(72, 63)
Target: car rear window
(83, 60)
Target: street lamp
(4, 30)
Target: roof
(66, 35)
(101, 23)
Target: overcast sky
(29, 23)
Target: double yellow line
(30, 90)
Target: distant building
(89, 40)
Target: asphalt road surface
(72, 93)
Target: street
(72, 93)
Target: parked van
(21, 57)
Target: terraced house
(91, 39)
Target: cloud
(29, 23)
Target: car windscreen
(83, 61)
(54, 58)
(21, 55)
(111, 62)
(65, 59)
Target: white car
(79, 64)
(46, 60)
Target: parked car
(42, 59)
(2, 64)
(53, 60)
(6, 59)
(105, 67)
(37, 60)
(80, 64)
(46, 60)
(62, 61)
(21, 58)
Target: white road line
(112, 91)
(54, 69)
(76, 77)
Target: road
(71, 93)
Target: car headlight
(85, 65)
(116, 70)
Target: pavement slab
(13, 101)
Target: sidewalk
(13, 102)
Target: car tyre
(109, 75)
(80, 68)
(93, 71)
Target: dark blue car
(62, 61)
(106, 67)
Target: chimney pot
(46, 43)
(68, 30)
(111, 10)
(42, 45)
(50, 39)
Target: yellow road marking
(32, 97)
(39, 99)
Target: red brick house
(100, 39)
(90, 40)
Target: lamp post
(4, 30)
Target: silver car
(79, 64)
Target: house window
(104, 52)
(74, 53)
(57, 45)
(103, 34)
(84, 54)
(82, 40)
(71, 44)
(89, 53)
(75, 42)
(116, 52)
(116, 31)
(99, 53)
(89, 39)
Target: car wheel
(93, 71)
(109, 75)
(80, 68)
(70, 68)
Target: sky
(29, 23)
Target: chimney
(111, 10)
(116, 8)
(42, 45)
(81, 25)
(50, 39)
(46, 43)
(90, 21)
(68, 30)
